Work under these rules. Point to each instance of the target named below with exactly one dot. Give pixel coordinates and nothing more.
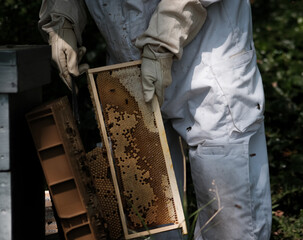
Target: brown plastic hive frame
(63, 161)
(138, 154)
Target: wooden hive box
(141, 167)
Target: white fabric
(237, 178)
(216, 103)
(206, 3)
(53, 13)
(121, 22)
(173, 25)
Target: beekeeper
(201, 54)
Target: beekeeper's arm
(172, 26)
(61, 24)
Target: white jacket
(216, 99)
(224, 47)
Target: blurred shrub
(278, 33)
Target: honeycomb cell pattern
(99, 167)
(138, 156)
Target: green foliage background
(278, 34)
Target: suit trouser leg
(233, 177)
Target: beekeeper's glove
(173, 25)
(66, 54)
(156, 72)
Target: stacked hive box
(24, 69)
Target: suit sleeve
(173, 25)
(53, 13)
(206, 3)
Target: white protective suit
(215, 101)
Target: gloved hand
(156, 72)
(66, 54)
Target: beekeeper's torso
(217, 69)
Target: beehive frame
(62, 157)
(105, 114)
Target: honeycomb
(99, 167)
(137, 153)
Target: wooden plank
(109, 150)
(169, 163)
(114, 67)
(4, 133)
(5, 206)
(152, 231)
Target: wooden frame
(168, 162)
